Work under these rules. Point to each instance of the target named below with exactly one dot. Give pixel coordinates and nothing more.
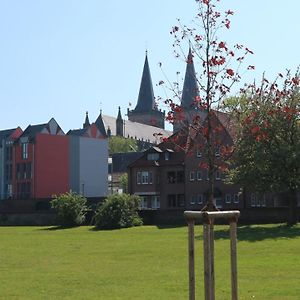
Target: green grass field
(143, 263)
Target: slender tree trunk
(293, 216)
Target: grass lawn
(143, 263)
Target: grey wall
(74, 163)
(93, 167)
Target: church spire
(119, 124)
(146, 101)
(190, 86)
(86, 123)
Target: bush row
(117, 211)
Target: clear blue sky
(60, 58)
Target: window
(217, 151)
(171, 177)
(180, 176)
(199, 175)
(192, 175)
(24, 150)
(193, 199)
(8, 151)
(236, 198)
(175, 176)
(9, 190)
(155, 202)
(253, 199)
(180, 200)
(228, 198)
(144, 202)
(167, 155)
(144, 177)
(172, 200)
(258, 200)
(218, 175)
(175, 201)
(153, 156)
(28, 171)
(24, 171)
(199, 153)
(200, 198)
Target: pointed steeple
(146, 101)
(190, 86)
(99, 123)
(86, 123)
(119, 124)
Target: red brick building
(168, 177)
(41, 162)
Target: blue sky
(60, 58)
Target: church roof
(137, 130)
(100, 125)
(190, 86)
(145, 101)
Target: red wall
(51, 165)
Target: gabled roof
(77, 132)
(51, 127)
(190, 86)
(122, 160)
(4, 134)
(137, 130)
(145, 101)
(32, 130)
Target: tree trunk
(293, 216)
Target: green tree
(267, 151)
(118, 144)
(71, 208)
(118, 211)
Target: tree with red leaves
(267, 154)
(219, 69)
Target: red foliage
(230, 72)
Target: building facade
(7, 138)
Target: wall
(88, 166)
(51, 165)
(93, 166)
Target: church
(145, 124)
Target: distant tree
(118, 144)
(71, 208)
(219, 69)
(267, 154)
(124, 182)
(118, 211)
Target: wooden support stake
(233, 255)
(191, 249)
(212, 261)
(207, 261)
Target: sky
(61, 58)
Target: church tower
(146, 111)
(189, 93)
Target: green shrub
(71, 208)
(118, 211)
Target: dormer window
(153, 156)
(167, 155)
